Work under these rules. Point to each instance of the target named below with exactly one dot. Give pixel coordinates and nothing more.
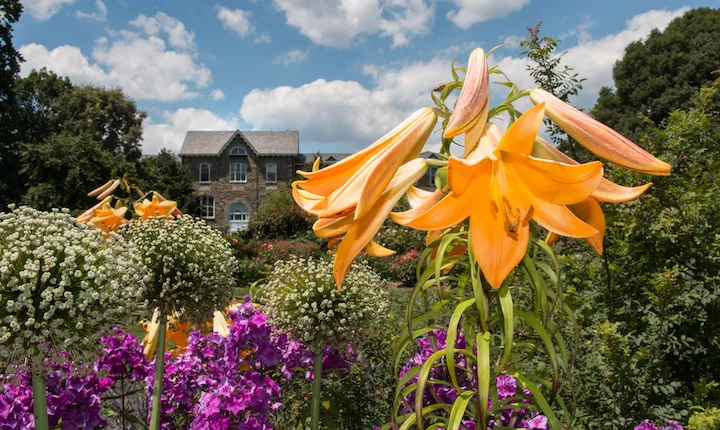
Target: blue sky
(342, 72)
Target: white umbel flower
(301, 297)
(61, 284)
(190, 265)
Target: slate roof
(262, 142)
(325, 157)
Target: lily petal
(520, 136)
(363, 230)
(374, 249)
(599, 138)
(473, 96)
(417, 196)
(606, 191)
(555, 182)
(220, 324)
(589, 210)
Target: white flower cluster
(190, 263)
(61, 284)
(301, 297)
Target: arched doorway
(238, 217)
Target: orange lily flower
(176, 332)
(357, 182)
(359, 233)
(108, 218)
(220, 324)
(500, 187)
(589, 210)
(155, 208)
(599, 138)
(89, 214)
(473, 104)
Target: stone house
(234, 170)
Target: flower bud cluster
(190, 265)
(302, 298)
(61, 284)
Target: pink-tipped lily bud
(472, 104)
(599, 138)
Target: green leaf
(458, 410)
(423, 376)
(506, 304)
(483, 370)
(454, 72)
(541, 401)
(547, 341)
(452, 337)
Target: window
(238, 172)
(237, 217)
(204, 173)
(207, 207)
(271, 172)
(238, 150)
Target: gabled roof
(430, 154)
(261, 142)
(324, 157)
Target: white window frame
(274, 170)
(242, 173)
(209, 173)
(238, 224)
(205, 204)
(238, 150)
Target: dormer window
(238, 150)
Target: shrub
(705, 419)
(403, 268)
(270, 252)
(279, 217)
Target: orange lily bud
(599, 138)
(100, 189)
(472, 104)
(109, 190)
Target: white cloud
(513, 41)
(593, 59)
(99, 15)
(178, 36)
(337, 23)
(346, 112)
(143, 67)
(292, 57)
(262, 39)
(471, 12)
(236, 20)
(169, 133)
(44, 9)
(217, 94)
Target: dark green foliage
(165, 174)
(10, 182)
(662, 73)
(650, 308)
(279, 216)
(64, 167)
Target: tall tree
(662, 73)
(165, 174)
(10, 183)
(554, 77)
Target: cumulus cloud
(345, 112)
(145, 68)
(469, 12)
(217, 94)
(593, 59)
(44, 9)
(292, 57)
(169, 132)
(337, 23)
(178, 36)
(99, 15)
(236, 20)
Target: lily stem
(316, 388)
(159, 371)
(438, 163)
(39, 395)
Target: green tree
(10, 182)
(165, 174)
(652, 334)
(64, 167)
(556, 78)
(662, 73)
